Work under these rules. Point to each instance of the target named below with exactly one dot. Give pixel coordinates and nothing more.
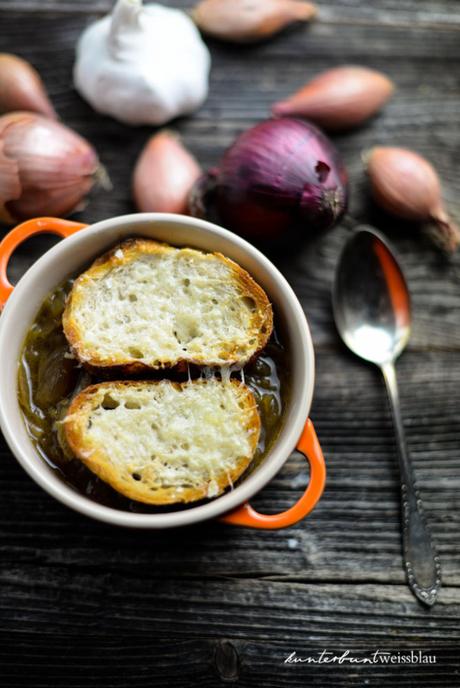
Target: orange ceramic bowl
(82, 244)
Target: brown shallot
(340, 98)
(407, 185)
(21, 87)
(164, 175)
(240, 21)
(45, 167)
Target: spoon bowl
(371, 299)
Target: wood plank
(84, 604)
(84, 662)
(354, 533)
(390, 12)
(263, 610)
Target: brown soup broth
(49, 377)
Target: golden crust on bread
(146, 305)
(163, 442)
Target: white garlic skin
(142, 64)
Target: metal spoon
(372, 312)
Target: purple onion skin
(279, 175)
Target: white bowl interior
(71, 256)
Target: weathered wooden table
(83, 604)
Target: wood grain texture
(83, 604)
(82, 663)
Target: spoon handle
(420, 558)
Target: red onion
(280, 175)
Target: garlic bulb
(142, 64)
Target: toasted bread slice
(146, 305)
(163, 442)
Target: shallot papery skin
(407, 185)
(21, 87)
(45, 167)
(249, 21)
(278, 175)
(164, 175)
(340, 98)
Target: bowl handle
(309, 446)
(11, 241)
